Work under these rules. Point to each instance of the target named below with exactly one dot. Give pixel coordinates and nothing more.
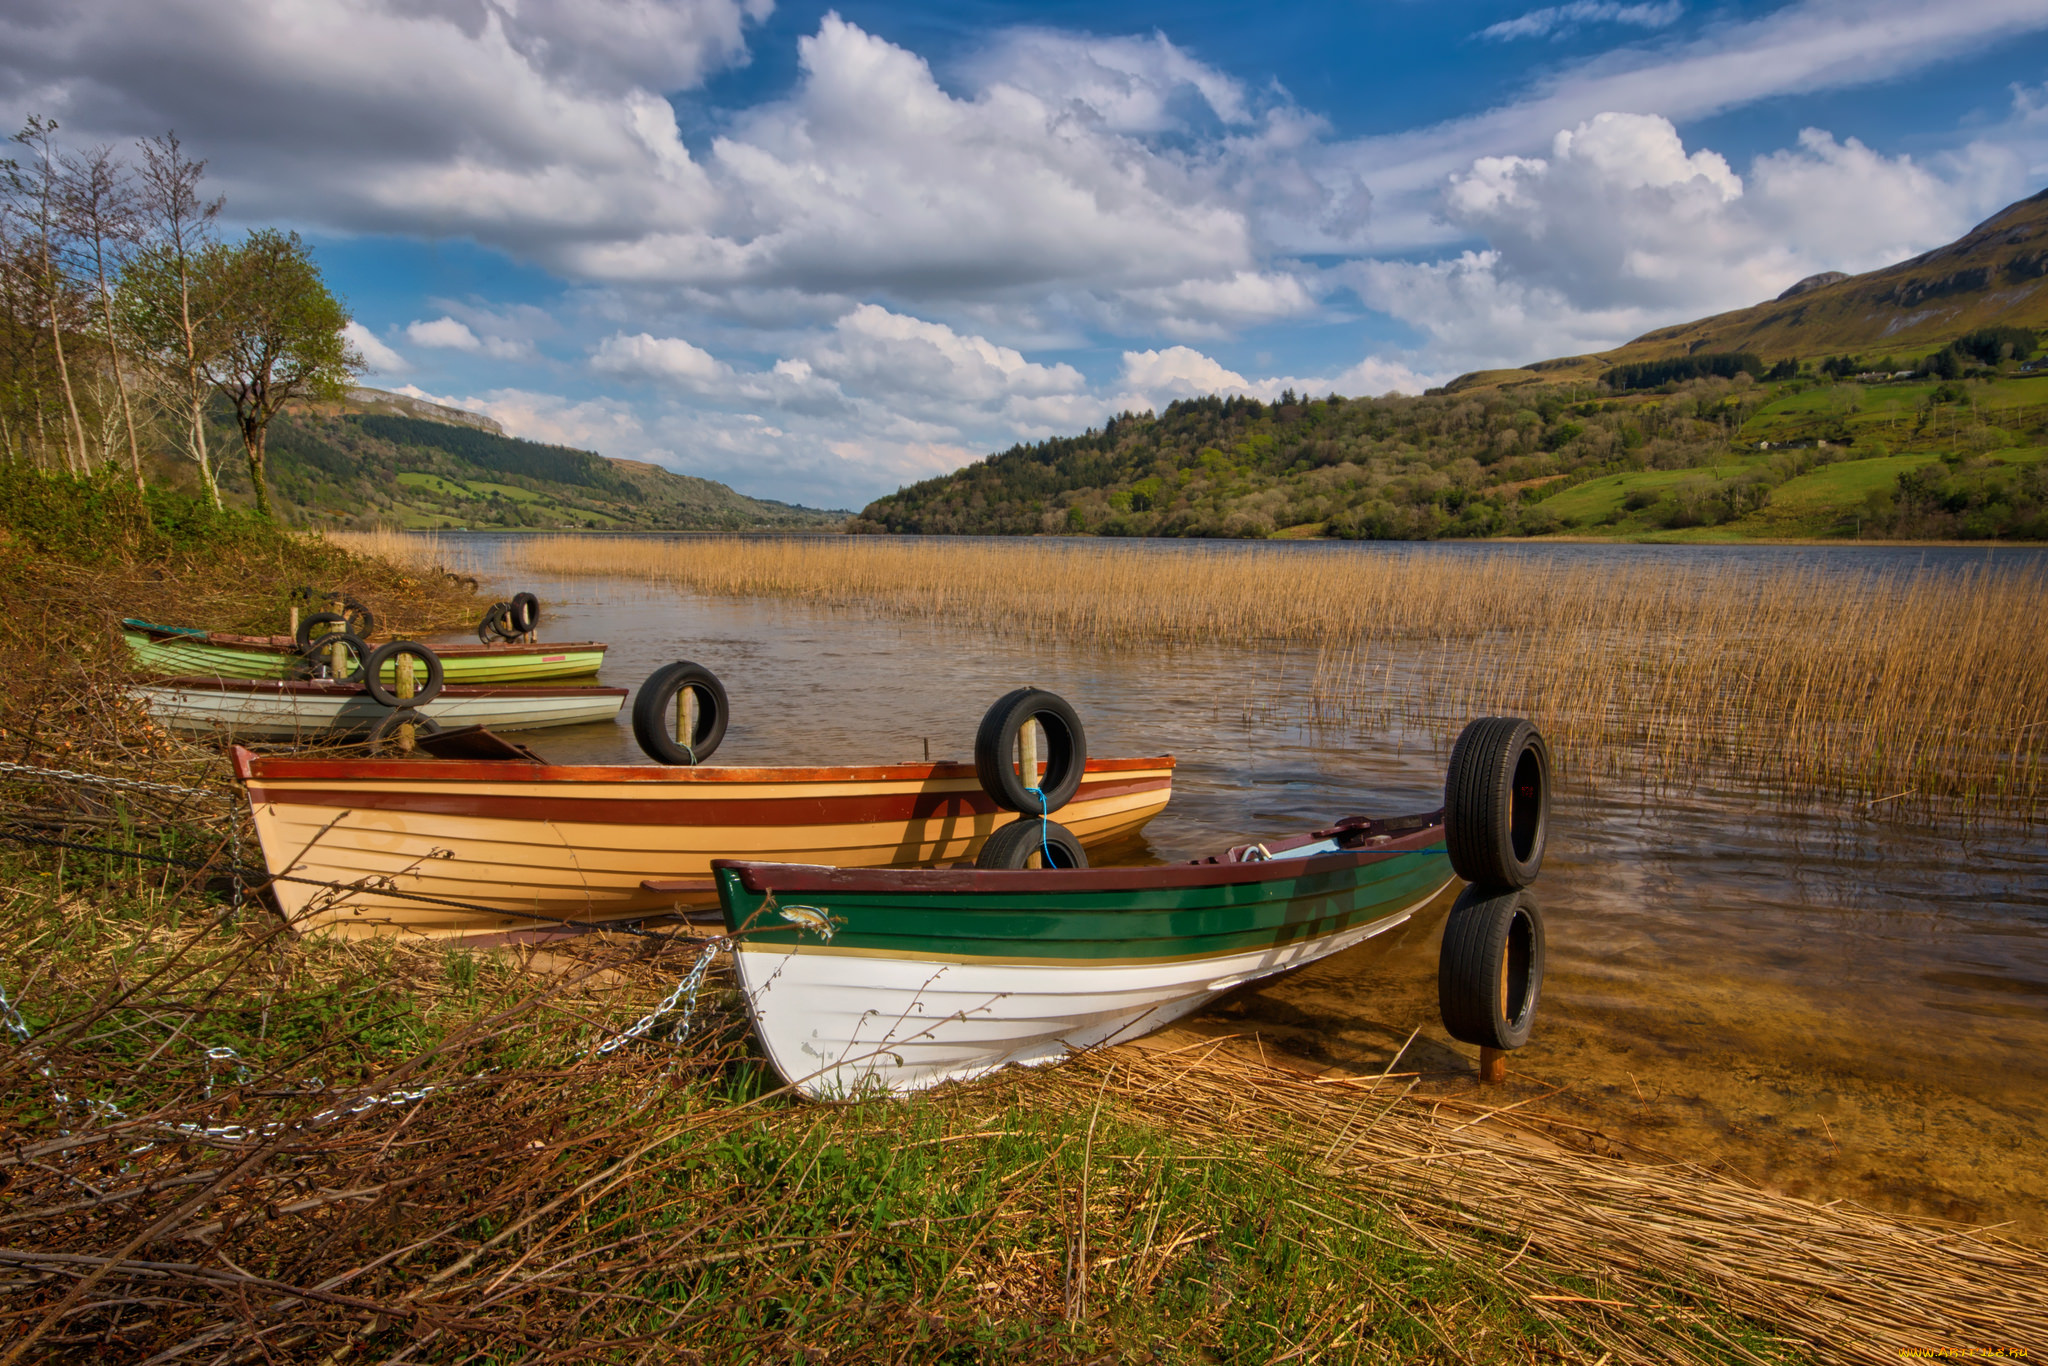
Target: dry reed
(1847, 1283)
(422, 552)
(1924, 691)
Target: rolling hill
(1727, 428)
(380, 459)
(1995, 275)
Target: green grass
(1596, 500)
(447, 488)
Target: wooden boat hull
(932, 977)
(178, 653)
(578, 842)
(254, 709)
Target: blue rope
(1044, 843)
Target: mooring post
(295, 621)
(1027, 767)
(407, 732)
(1493, 1066)
(686, 716)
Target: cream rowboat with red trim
(536, 843)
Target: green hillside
(1786, 420)
(1709, 459)
(383, 460)
(1995, 275)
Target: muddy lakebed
(1824, 999)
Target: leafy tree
(280, 337)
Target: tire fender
(312, 619)
(384, 736)
(655, 713)
(424, 691)
(1012, 845)
(316, 655)
(1497, 802)
(1490, 968)
(525, 612)
(995, 752)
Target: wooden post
(295, 621)
(407, 732)
(1493, 1067)
(686, 717)
(1027, 765)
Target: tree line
(127, 319)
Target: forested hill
(1708, 457)
(370, 462)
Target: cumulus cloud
(378, 358)
(452, 334)
(1799, 48)
(1156, 378)
(672, 359)
(1558, 21)
(1621, 227)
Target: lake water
(1822, 1002)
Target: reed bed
(1915, 690)
(421, 552)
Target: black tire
(1490, 970)
(1012, 845)
(495, 628)
(315, 656)
(304, 593)
(1497, 802)
(427, 691)
(361, 620)
(384, 737)
(655, 710)
(525, 612)
(995, 752)
(333, 619)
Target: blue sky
(817, 251)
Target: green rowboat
(182, 651)
(898, 979)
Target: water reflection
(1830, 1003)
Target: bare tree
(35, 198)
(99, 202)
(181, 227)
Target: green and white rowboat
(183, 651)
(308, 709)
(891, 980)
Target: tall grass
(422, 552)
(1917, 690)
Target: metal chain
(100, 780)
(686, 991)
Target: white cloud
(1802, 48)
(378, 358)
(672, 359)
(1560, 20)
(1127, 85)
(1156, 378)
(445, 333)
(1621, 228)
(451, 334)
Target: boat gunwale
(758, 877)
(324, 687)
(251, 767)
(287, 645)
